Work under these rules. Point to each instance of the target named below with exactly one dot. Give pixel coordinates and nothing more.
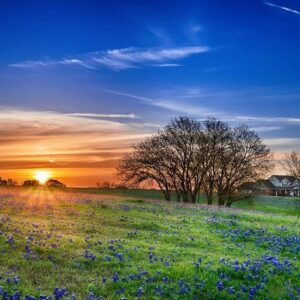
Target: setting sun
(42, 176)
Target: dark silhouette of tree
(147, 162)
(185, 155)
(244, 158)
(188, 155)
(11, 182)
(32, 182)
(55, 183)
(291, 164)
(174, 159)
(8, 182)
(217, 136)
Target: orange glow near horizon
(42, 176)
(78, 151)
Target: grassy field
(279, 205)
(80, 244)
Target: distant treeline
(32, 182)
(8, 182)
(110, 185)
(48, 183)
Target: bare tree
(244, 159)
(174, 159)
(217, 136)
(147, 163)
(188, 155)
(8, 181)
(11, 182)
(291, 164)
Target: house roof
(247, 186)
(267, 183)
(281, 177)
(261, 183)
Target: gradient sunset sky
(80, 81)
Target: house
(247, 188)
(284, 185)
(277, 185)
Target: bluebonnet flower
(115, 277)
(140, 292)
(220, 286)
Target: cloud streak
(262, 124)
(112, 116)
(297, 12)
(68, 143)
(286, 120)
(121, 59)
(176, 104)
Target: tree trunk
(194, 196)
(228, 203)
(222, 198)
(209, 190)
(167, 195)
(178, 195)
(209, 198)
(185, 196)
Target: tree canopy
(188, 155)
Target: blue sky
(132, 65)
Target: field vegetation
(124, 244)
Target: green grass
(279, 205)
(158, 243)
(136, 193)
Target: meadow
(87, 244)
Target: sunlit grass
(59, 227)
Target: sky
(81, 81)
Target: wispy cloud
(33, 139)
(192, 31)
(195, 28)
(184, 108)
(168, 104)
(161, 34)
(113, 116)
(283, 143)
(129, 95)
(135, 57)
(120, 59)
(168, 65)
(33, 64)
(180, 105)
(283, 8)
(177, 103)
(287, 120)
(266, 128)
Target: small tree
(291, 164)
(55, 183)
(104, 185)
(146, 163)
(245, 158)
(11, 182)
(32, 182)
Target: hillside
(120, 247)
